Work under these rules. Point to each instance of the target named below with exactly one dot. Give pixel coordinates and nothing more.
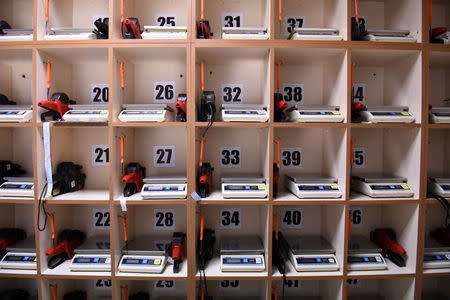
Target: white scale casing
(320, 34)
(17, 187)
(87, 113)
(242, 254)
(164, 32)
(315, 114)
(147, 263)
(389, 36)
(244, 33)
(244, 187)
(91, 262)
(309, 187)
(387, 114)
(146, 113)
(244, 113)
(19, 260)
(17, 35)
(364, 255)
(440, 115)
(71, 33)
(16, 113)
(169, 187)
(437, 259)
(379, 187)
(440, 186)
(445, 37)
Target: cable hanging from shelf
(278, 75)
(122, 11)
(124, 289)
(55, 291)
(47, 8)
(49, 78)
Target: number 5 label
(359, 158)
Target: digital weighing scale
(144, 255)
(365, 297)
(386, 114)
(244, 187)
(16, 113)
(436, 256)
(71, 33)
(16, 34)
(21, 256)
(241, 254)
(301, 33)
(440, 115)
(363, 255)
(92, 255)
(443, 38)
(146, 113)
(440, 186)
(311, 253)
(244, 113)
(315, 114)
(17, 187)
(164, 32)
(87, 113)
(164, 187)
(244, 33)
(380, 35)
(310, 187)
(379, 186)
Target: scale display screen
(243, 112)
(91, 112)
(141, 261)
(364, 259)
(17, 186)
(317, 187)
(20, 258)
(391, 113)
(315, 260)
(142, 112)
(89, 260)
(318, 113)
(436, 257)
(445, 187)
(244, 187)
(242, 261)
(9, 113)
(160, 188)
(389, 187)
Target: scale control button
(258, 260)
(157, 261)
(378, 258)
(261, 187)
(331, 260)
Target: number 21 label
(100, 155)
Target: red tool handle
(201, 152)
(49, 74)
(351, 152)
(430, 13)
(125, 231)
(275, 292)
(47, 4)
(122, 75)
(55, 292)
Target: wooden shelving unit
(412, 74)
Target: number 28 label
(164, 219)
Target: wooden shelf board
(63, 271)
(167, 274)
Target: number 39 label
(291, 157)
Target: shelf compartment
(161, 222)
(145, 85)
(236, 289)
(439, 78)
(402, 218)
(388, 289)
(94, 288)
(253, 13)
(251, 157)
(435, 288)
(29, 285)
(323, 14)
(157, 289)
(19, 15)
(315, 289)
(322, 72)
(389, 78)
(92, 220)
(387, 151)
(243, 71)
(441, 13)
(322, 153)
(327, 221)
(438, 161)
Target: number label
(102, 284)
(292, 284)
(166, 20)
(359, 92)
(101, 219)
(357, 216)
(232, 19)
(291, 157)
(354, 283)
(230, 285)
(230, 218)
(232, 93)
(164, 156)
(164, 91)
(164, 285)
(291, 22)
(164, 219)
(359, 158)
(99, 93)
(100, 155)
(230, 157)
(293, 92)
(292, 218)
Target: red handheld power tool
(131, 29)
(205, 180)
(56, 107)
(68, 241)
(181, 108)
(386, 239)
(280, 106)
(133, 179)
(176, 250)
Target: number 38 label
(293, 92)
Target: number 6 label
(357, 216)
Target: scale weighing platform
(363, 255)
(21, 256)
(146, 113)
(440, 186)
(244, 113)
(145, 254)
(311, 253)
(164, 32)
(379, 35)
(310, 187)
(87, 113)
(436, 256)
(244, 33)
(379, 186)
(17, 187)
(440, 115)
(244, 187)
(71, 33)
(16, 113)
(387, 114)
(92, 255)
(315, 114)
(241, 254)
(164, 187)
(321, 34)
(16, 34)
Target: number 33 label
(230, 157)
